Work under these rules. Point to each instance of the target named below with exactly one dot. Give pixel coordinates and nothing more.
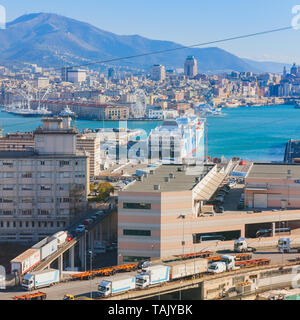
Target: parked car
(80, 228)
(87, 222)
(219, 210)
(144, 265)
(99, 213)
(225, 190)
(69, 237)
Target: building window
(143, 206)
(64, 163)
(26, 212)
(45, 188)
(8, 188)
(8, 164)
(139, 233)
(27, 188)
(26, 175)
(135, 259)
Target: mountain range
(51, 40)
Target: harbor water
(253, 133)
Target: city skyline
(236, 19)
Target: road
(85, 287)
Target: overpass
(84, 240)
(211, 287)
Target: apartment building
(116, 113)
(17, 141)
(89, 142)
(43, 190)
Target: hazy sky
(185, 22)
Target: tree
(105, 189)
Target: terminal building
(42, 190)
(163, 209)
(165, 212)
(273, 186)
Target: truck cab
(143, 280)
(229, 262)
(284, 245)
(226, 263)
(28, 282)
(217, 267)
(240, 245)
(105, 288)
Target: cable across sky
(174, 49)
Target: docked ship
(206, 110)
(297, 105)
(232, 104)
(27, 111)
(67, 112)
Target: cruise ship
(178, 139)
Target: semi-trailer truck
(241, 245)
(116, 285)
(40, 279)
(154, 275)
(284, 245)
(226, 263)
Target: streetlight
(91, 269)
(85, 234)
(182, 216)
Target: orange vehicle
(32, 296)
(105, 271)
(238, 257)
(253, 263)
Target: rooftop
(12, 155)
(274, 171)
(169, 178)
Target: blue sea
(253, 133)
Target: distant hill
(53, 40)
(268, 66)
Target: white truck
(241, 245)
(154, 275)
(117, 285)
(40, 279)
(47, 246)
(284, 245)
(226, 263)
(61, 237)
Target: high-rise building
(158, 73)
(76, 75)
(111, 73)
(190, 67)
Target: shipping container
(25, 261)
(116, 285)
(47, 246)
(61, 237)
(182, 269)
